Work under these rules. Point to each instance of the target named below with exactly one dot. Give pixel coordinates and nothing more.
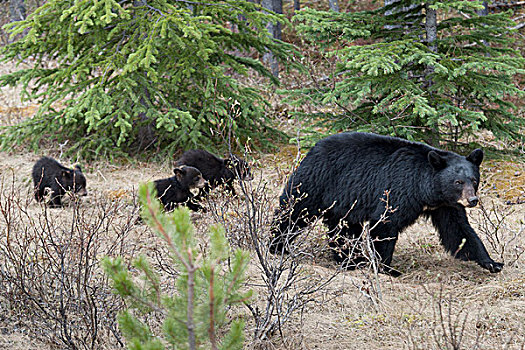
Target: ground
(349, 312)
(438, 302)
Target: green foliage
(392, 82)
(206, 288)
(115, 75)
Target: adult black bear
(343, 179)
(48, 174)
(177, 189)
(216, 171)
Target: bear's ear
(179, 173)
(476, 157)
(438, 162)
(77, 167)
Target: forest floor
(437, 303)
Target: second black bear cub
(177, 189)
(216, 171)
(50, 175)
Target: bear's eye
(459, 182)
(474, 183)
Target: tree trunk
(296, 5)
(431, 34)
(334, 5)
(485, 10)
(405, 10)
(277, 8)
(147, 137)
(431, 28)
(17, 10)
(274, 29)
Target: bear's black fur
(177, 189)
(50, 174)
(343, 179)
(216, 171)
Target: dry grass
(436, 299)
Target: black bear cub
(216, 171)
(50, 175)
(177, 189)
(343, 180)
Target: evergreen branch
(108, 61)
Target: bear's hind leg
(460, 239)
(285, 229)
(384, 238)
(56, 201)
(345, 244)
(40, 193)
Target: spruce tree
(198, 311)
(130, 75)
(435, 71)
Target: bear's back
(359, 144)
(211, 166)
(349, 168)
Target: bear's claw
(492, 266)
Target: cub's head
(457, 176)
(239, 168)
(189, 177)
(74, 179)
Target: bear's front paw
(387, 270)
(492, 266)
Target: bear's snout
(468, 197)
(201, 183)
(473, 201)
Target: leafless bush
(369, 285)
(448, 326)
(362, 247)
(502, 236)
(51, 284)
(284, 285)
(454, 324)
(449, 330)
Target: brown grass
(434, 298)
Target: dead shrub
(51, 284)
(503, 236)
(454, 323)
(286, 283)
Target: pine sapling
(197, 315)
